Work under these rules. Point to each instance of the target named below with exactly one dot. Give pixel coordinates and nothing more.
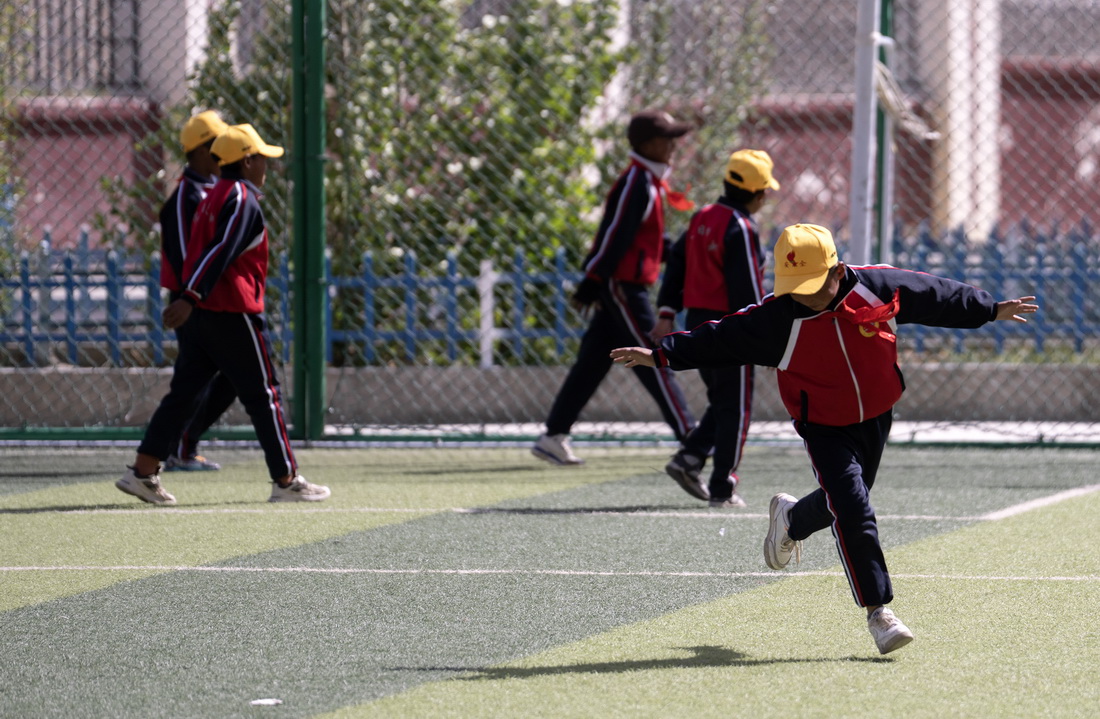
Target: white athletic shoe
(687, 470)
(778, 547)
(299, 490)
(554, 448)
(888, 631)
(735, 501)
(147, 489)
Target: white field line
(1041, 502)
(992, 516)
(528, 572)
(717, 514)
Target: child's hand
(1012, 309)
(634, 357)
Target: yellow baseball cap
(240, 141)
(751, 170)
(804, 254)
(200, 129)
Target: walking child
(224, 281)
(199, 176)
(717, 267)
(623, 262)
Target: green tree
(459, 133)
(9, 186)
(706, 66)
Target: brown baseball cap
(649, 124)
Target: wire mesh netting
(469, 147)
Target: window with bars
(61, 47)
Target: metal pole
(883, 247)
(861, 199)
(308, 202)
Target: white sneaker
(888, 631)
(778, 547)
(147, 489)
(687, 470)
(299, 490)
(554, 448)
(735, 501)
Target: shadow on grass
(703, 657)
(433, 472)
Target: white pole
(487, 333)
(861, 199)
(886, 211)
(947, 68)
(987, 117)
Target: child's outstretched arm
(634, 357)
(1012, 309)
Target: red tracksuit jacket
(630, 238)
(837, 367)
(226, 265)
(717, 264)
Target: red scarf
(871, 320)
(677, 200)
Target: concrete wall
(77, 397)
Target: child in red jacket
(829, 329)
(222, 304)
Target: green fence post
(308, 239)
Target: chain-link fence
(469, 147)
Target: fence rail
(90, 306)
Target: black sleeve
(755, 335)
(671, 294)
(173, 241)
(931, 300)
(626, 209)
(742, 267)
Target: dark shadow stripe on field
(479, 472)
(704, 657)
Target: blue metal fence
(58, 303)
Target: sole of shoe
(125, 487)
(771, 541)
(895, 642)
(547, 457)
(300, 498)
(687, 483)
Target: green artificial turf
(484, 583)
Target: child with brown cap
(829, 330)
(623, 262)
